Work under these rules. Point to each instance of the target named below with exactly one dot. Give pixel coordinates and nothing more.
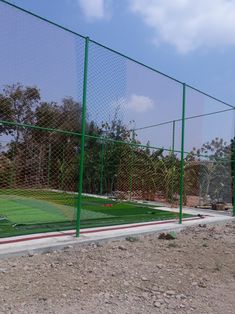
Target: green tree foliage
(47, 154)
(208, 171)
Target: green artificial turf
(32, 211)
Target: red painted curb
(93, 231)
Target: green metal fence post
(132, 161)
(62, 168)
(82, 152)
(172, 154)
(182, 154)
(233, 185)
(173, 137)
(233, 173)
(12, 175)
(102, 167)
(49, 166)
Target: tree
(207, 171)
(105, 155)
(17, 105)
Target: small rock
(170, 292)
(202, 285)
(157, 304)
(171, 307)
(93, 245)
(180, 296)
(42, 299)
(26, 268)
(67, 247)
(13, 265)
(145, 295)
(3, 270)
(106, 295)
(132, 239)
(144, 279)
(121, 247)
(167, 236)
(202, 225)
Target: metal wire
(83, 136)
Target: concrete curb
(65, 241)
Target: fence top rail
(42, 18)
(99, 137)
(114, 51)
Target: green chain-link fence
(90, 137)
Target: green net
(132, 128)
(208, 161)
(40, 113)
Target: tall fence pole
(13, 166)
(102, 167)
(82, 152)
(173, 137)
(182, 154)
(233, 172)
(62, 168)
(132, 161)
(173, 156)
(233, 164)
(49, 166)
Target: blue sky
(208, 62)
(192, 41)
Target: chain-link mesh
(133, 135)
(40, 131)
(208, 161)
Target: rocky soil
(195, 273)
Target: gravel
(195, 273)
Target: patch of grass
(31, 211)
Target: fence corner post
(182, 154)
(82, 152)
(233, 174)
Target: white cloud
(95, 9)
(139, 103)
(189, 24)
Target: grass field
(31, 211)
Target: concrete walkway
(46, 242)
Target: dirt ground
(193, 274)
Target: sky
(193, 41)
